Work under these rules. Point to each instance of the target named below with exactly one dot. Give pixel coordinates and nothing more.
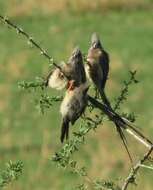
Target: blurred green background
(126, 30)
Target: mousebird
(72, 106)
(97, 69)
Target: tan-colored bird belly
(77, 94)
(64, 109)
(87, 70)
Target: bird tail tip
(123, 138)
(64, 130)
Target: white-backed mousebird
(97, 69)
(72, 107)
(75, 99)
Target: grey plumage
(72, 107)
(97, 69)
(100, 56)
(75, 68)
(75, 100)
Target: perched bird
(72, 70)
(75, 100)
(72, 76)
(72, 107)
(97, 69)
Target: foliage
(12, 172)
(63, 157)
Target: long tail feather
(64, 129)
(105, 99)
(118, 125)
(123, 122)
(124, 140)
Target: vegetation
(33, 137)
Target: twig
(147, 167)
(140, 139)
(134, 171)
(112, 115)
(31, 40)
(124, 91)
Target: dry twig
(131, 177)
(112, 115)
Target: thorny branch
(12, 172)
(124, 91)
(104, 108)
(134, 171)
(111, 114)
(31, 41)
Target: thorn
(5, 18)
(30, 38)
(17, 31)
(29, 43)
(20, 30)
(51, 60)
(42, 52)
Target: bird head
(75, 63)
(95, 41)
(76, 56)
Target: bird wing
(104, 63)
(96, 74)
(123, 138)
(76, 108)
(81, 72)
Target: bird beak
(76, 51)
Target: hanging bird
(75, 100)
(72, 70)
(72, 107)
(56, 78)
(97, 69)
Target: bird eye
(61, 75)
